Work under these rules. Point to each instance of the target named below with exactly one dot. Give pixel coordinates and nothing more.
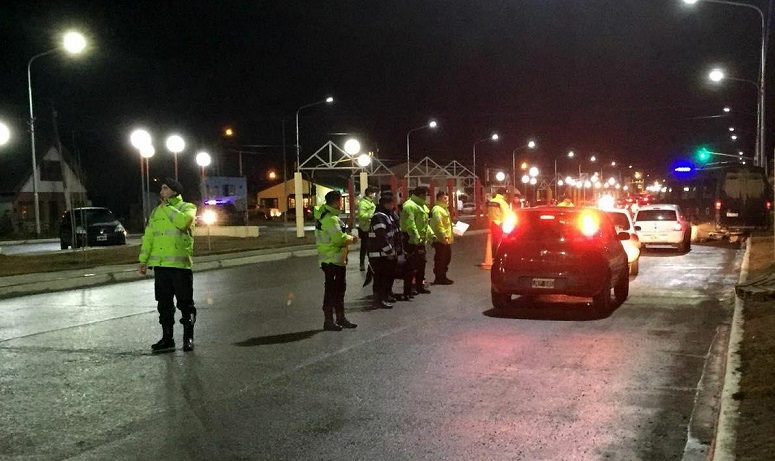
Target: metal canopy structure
(332, 157)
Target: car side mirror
(622, 235)
(637, 228)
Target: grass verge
(107, 256)
(757, 353)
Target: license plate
(102, 238)
(543, 283)
(732, 215)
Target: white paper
(460, 228)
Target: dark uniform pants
(364, 238)
(416, 258)
(335, 286)
(441, 259)
(172, 284)
(384, 272)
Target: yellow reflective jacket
(414, 221)
(330, 241)
(497, 208)
(366, 207)
(441, 223)
(168, 239)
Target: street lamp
(175, 144)
(432, 124)
(203, 159)
(73, 43)
(760, 154)
(5, 134)
(530, 145)
(493, 137)
(297, 184)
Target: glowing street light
(175, 144)
(364, 160)
(352, 147)
(73, 43)
(531, 144)
(533, 171)
(5, 134)
(500, 176)
(716, 75)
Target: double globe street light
(760, 157)
(73, 43)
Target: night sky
(623, 79)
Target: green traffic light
(703, 154)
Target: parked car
(468, 208)
(307, 214)
(623, 223)
(94, 226)
(663, 225)
(560, 250)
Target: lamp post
(73, 43)
(5, 134)
(298, 193)
(203, 159)
(493, 137)
(530, 145)
(141, 140)
(431, 124)
(570, 154)
(760, 152)
(146, 152)
(175, 144)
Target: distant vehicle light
(606, 202)
(211, 202)
(769, 205)
(718, 204)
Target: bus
(733, 197)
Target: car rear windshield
(656, 215)
(94, 216)
(551, 225)
(620, 220)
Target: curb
(48, 282)
(723, 446)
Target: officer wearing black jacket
(383, 250)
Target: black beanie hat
(174, 185)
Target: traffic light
(702, 154)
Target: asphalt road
(442, 377)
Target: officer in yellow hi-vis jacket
(332, 245)
(168, 248)
(497, 208)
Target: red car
(560, 250)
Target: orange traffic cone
(487, 263)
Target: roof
(17, 166)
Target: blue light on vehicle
(683, 169)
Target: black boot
(341, 320)
(166, 343)
(328, 322)
(188, 335)
(421, 289)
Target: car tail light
(589, 224)
(717, 204)
(677, 226)
(509, 223)
(769, 204)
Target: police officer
(414, 223)
(441, 223)
(497, 208)
(365, 210)
(168, 248)
(383, 251)
(332, 245)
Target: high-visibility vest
(496, 209)
(330, 241)
(168, 239)
(441, 223)
(414, 221)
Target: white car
(663, 225)
(623, 223)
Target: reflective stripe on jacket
(330, 240)
(441, 223)
(496, 209)
(414, 221)
(168, 239)
(366, 209)
(382, 235)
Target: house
(271, 197)
(60, 186)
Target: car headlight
(120, 229)
(80, 230)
